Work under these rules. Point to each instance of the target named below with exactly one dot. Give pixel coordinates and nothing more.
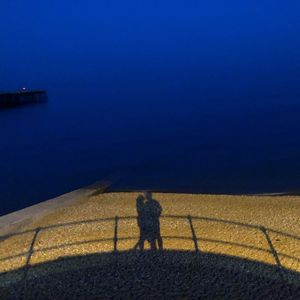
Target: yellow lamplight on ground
(236, 226)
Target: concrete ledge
(12, 222)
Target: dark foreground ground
(152, 275)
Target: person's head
(140, 201)
(148, 195)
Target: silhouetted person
(149, 211)
(140, 209)
(153, 211)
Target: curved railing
(198, 242)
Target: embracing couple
(149, 211)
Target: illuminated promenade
(264, 230)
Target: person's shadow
(149, 211)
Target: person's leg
(142, 242)
(136, 245)
(157, 236)
(160, 242)
(152, 244)
(139, 242)
(142, 245)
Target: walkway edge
(13, 221)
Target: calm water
(191, 138)
(196, 96)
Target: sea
(212, 135)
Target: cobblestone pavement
(149, 275)
(260, 230)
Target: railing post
(27, 266)
(116, 234)
(194, 237)
(30, 251)
(274, 252)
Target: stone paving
(263, 230)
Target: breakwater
(21, 98)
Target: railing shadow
(115, 240)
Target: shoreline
(14, 220)
(114, 186)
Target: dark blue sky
(51, 44)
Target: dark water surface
(195, 138)
(196, 96)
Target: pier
(22, 97)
